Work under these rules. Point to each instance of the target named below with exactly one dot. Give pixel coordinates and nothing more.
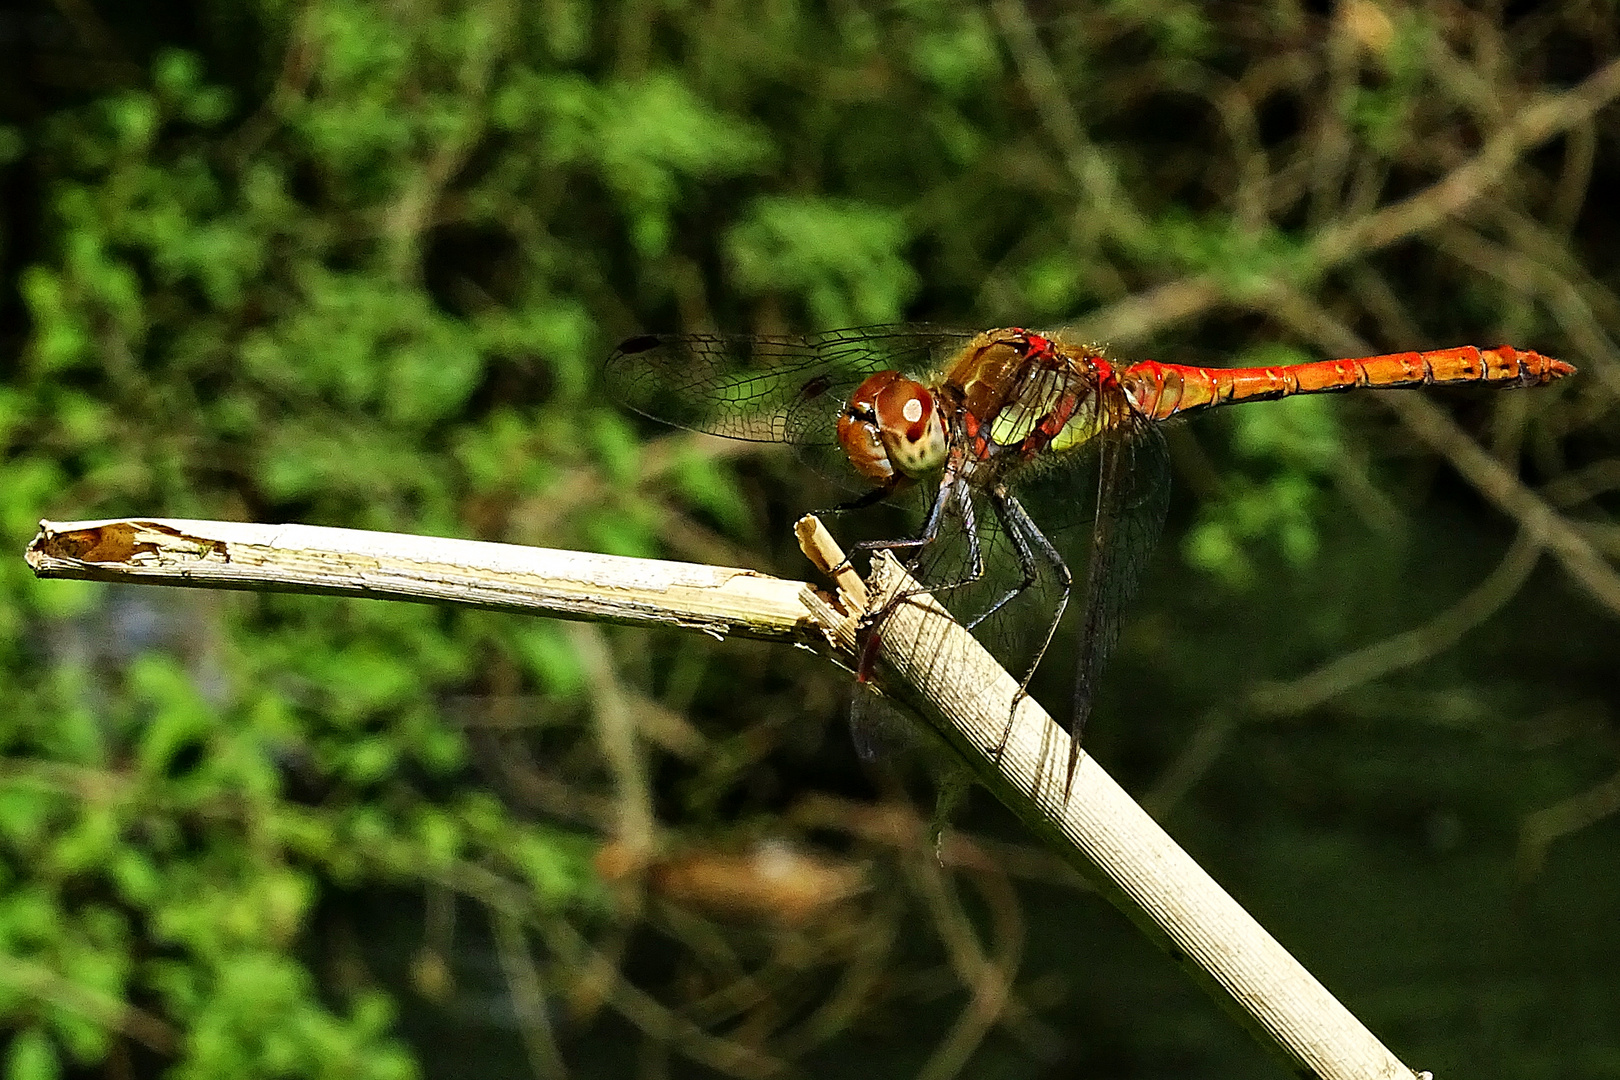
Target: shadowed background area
(360, 264)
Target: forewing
(766, 388)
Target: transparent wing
(1133, 495)
(766, 388)
(879, 726)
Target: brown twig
(25, 977)
(1404, 649)
(1164, 305)
(1542, 829)
(528, 997)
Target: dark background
(359, 264)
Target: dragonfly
(1012, 435)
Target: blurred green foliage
(354, 263)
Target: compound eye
(911, 426)
(860, 432)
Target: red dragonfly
(1000, 420)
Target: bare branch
(719, 601)
(1142, 314)
(1430, 207)
(1540, 830)
(24, 977)
(1404, 649)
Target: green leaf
(177, 718)
(644, 139)
(961, 56)
(439, 834)
(370, 759)
(615, 443)
(12, 144)
(844, 259)
(708, 486)
(32, 1056)
(136, 876)
(549, 656)
(90, 843)
(25, 814)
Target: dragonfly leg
(1021, 529)
(970, 535)
(930, 530)
(1027, 538)
(950, 489)
(871, 498)
(873, 622)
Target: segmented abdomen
(1163, 390)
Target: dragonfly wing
(1133, 494)
(766, 388)
(878, 726)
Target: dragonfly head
(891, 426)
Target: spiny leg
(963, 496)
(1009, 510)
(950, 488)
(870, 498)
(930, 529)
(1022, 529)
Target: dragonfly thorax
(891, 429)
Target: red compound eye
(859, 432)
(891, 425)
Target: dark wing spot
(639, 344)
(815, 387)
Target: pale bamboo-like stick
(716, 600)
(924, 658)
(927, 659)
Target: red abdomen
(1161, 391)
